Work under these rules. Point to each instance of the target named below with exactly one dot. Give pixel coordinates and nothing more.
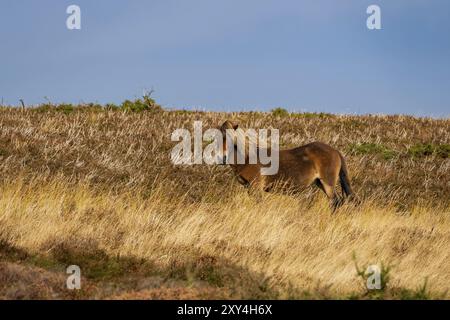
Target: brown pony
(314, 163)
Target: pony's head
(238, 144)
(227, 129)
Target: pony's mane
(247, 138)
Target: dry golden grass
(97, 189)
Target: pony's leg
(331, 193)
(256, 189)
(312, 198)
(320, 185)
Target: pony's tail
(345, 182)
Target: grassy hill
(94, 186)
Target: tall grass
(291, 242)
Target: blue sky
(315, 55)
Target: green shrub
(63, 107)
(372, 148)
(416, 151)
(280, 112)
(133, 106)
(429, 149)
(184, 112)
(139, 105)
(384, 280)
(443, 150)
(94, 107)
(111, 106)
(420, 293)
(312, 115)
(387, 291)
(45, 107)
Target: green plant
(384, 275)
(111, 106)
(387, 292)
(280, 112)
(420, 293)
(310, 115)
(139, 105)
(45, 107)
(63, 107)
(429, 149)
(372, 148)
(133, 106)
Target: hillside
(94, 186)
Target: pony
(315, 163)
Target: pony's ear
(227, 125)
